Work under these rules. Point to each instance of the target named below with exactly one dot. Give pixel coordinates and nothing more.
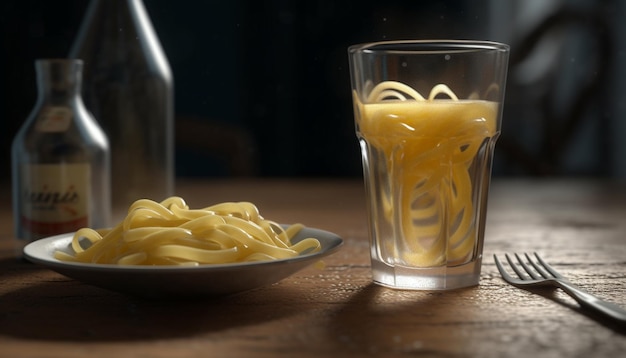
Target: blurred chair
(211, 148)
(557, 83)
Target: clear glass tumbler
(427, 116)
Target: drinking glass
(427, 117)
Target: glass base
(432, 278)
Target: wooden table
(578, 226)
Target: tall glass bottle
(60, 160)
(129, 89)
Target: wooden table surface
(577, 225)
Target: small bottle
(60, 160)
(128, 87)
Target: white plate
(178, 281)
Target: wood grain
(578, 226)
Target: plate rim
(30, 253)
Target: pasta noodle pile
(170, 233)
(435, 151)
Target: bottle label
(55, 198)
(54, 119)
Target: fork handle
(590, 301)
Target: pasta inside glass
(430, 147)
(427, 163)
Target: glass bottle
(129, 89)
(60, 160)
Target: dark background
(275, 74)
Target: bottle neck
(59, 79)
(117, 35)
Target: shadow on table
(378, 319)
(551, 293)
(64, 309)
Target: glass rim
(427, 46)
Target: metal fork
(539, 273)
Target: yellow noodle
(170, 233)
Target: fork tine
(502, 270)
(548, 267)
(528, 270)
(514, 267)
(539, 267)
